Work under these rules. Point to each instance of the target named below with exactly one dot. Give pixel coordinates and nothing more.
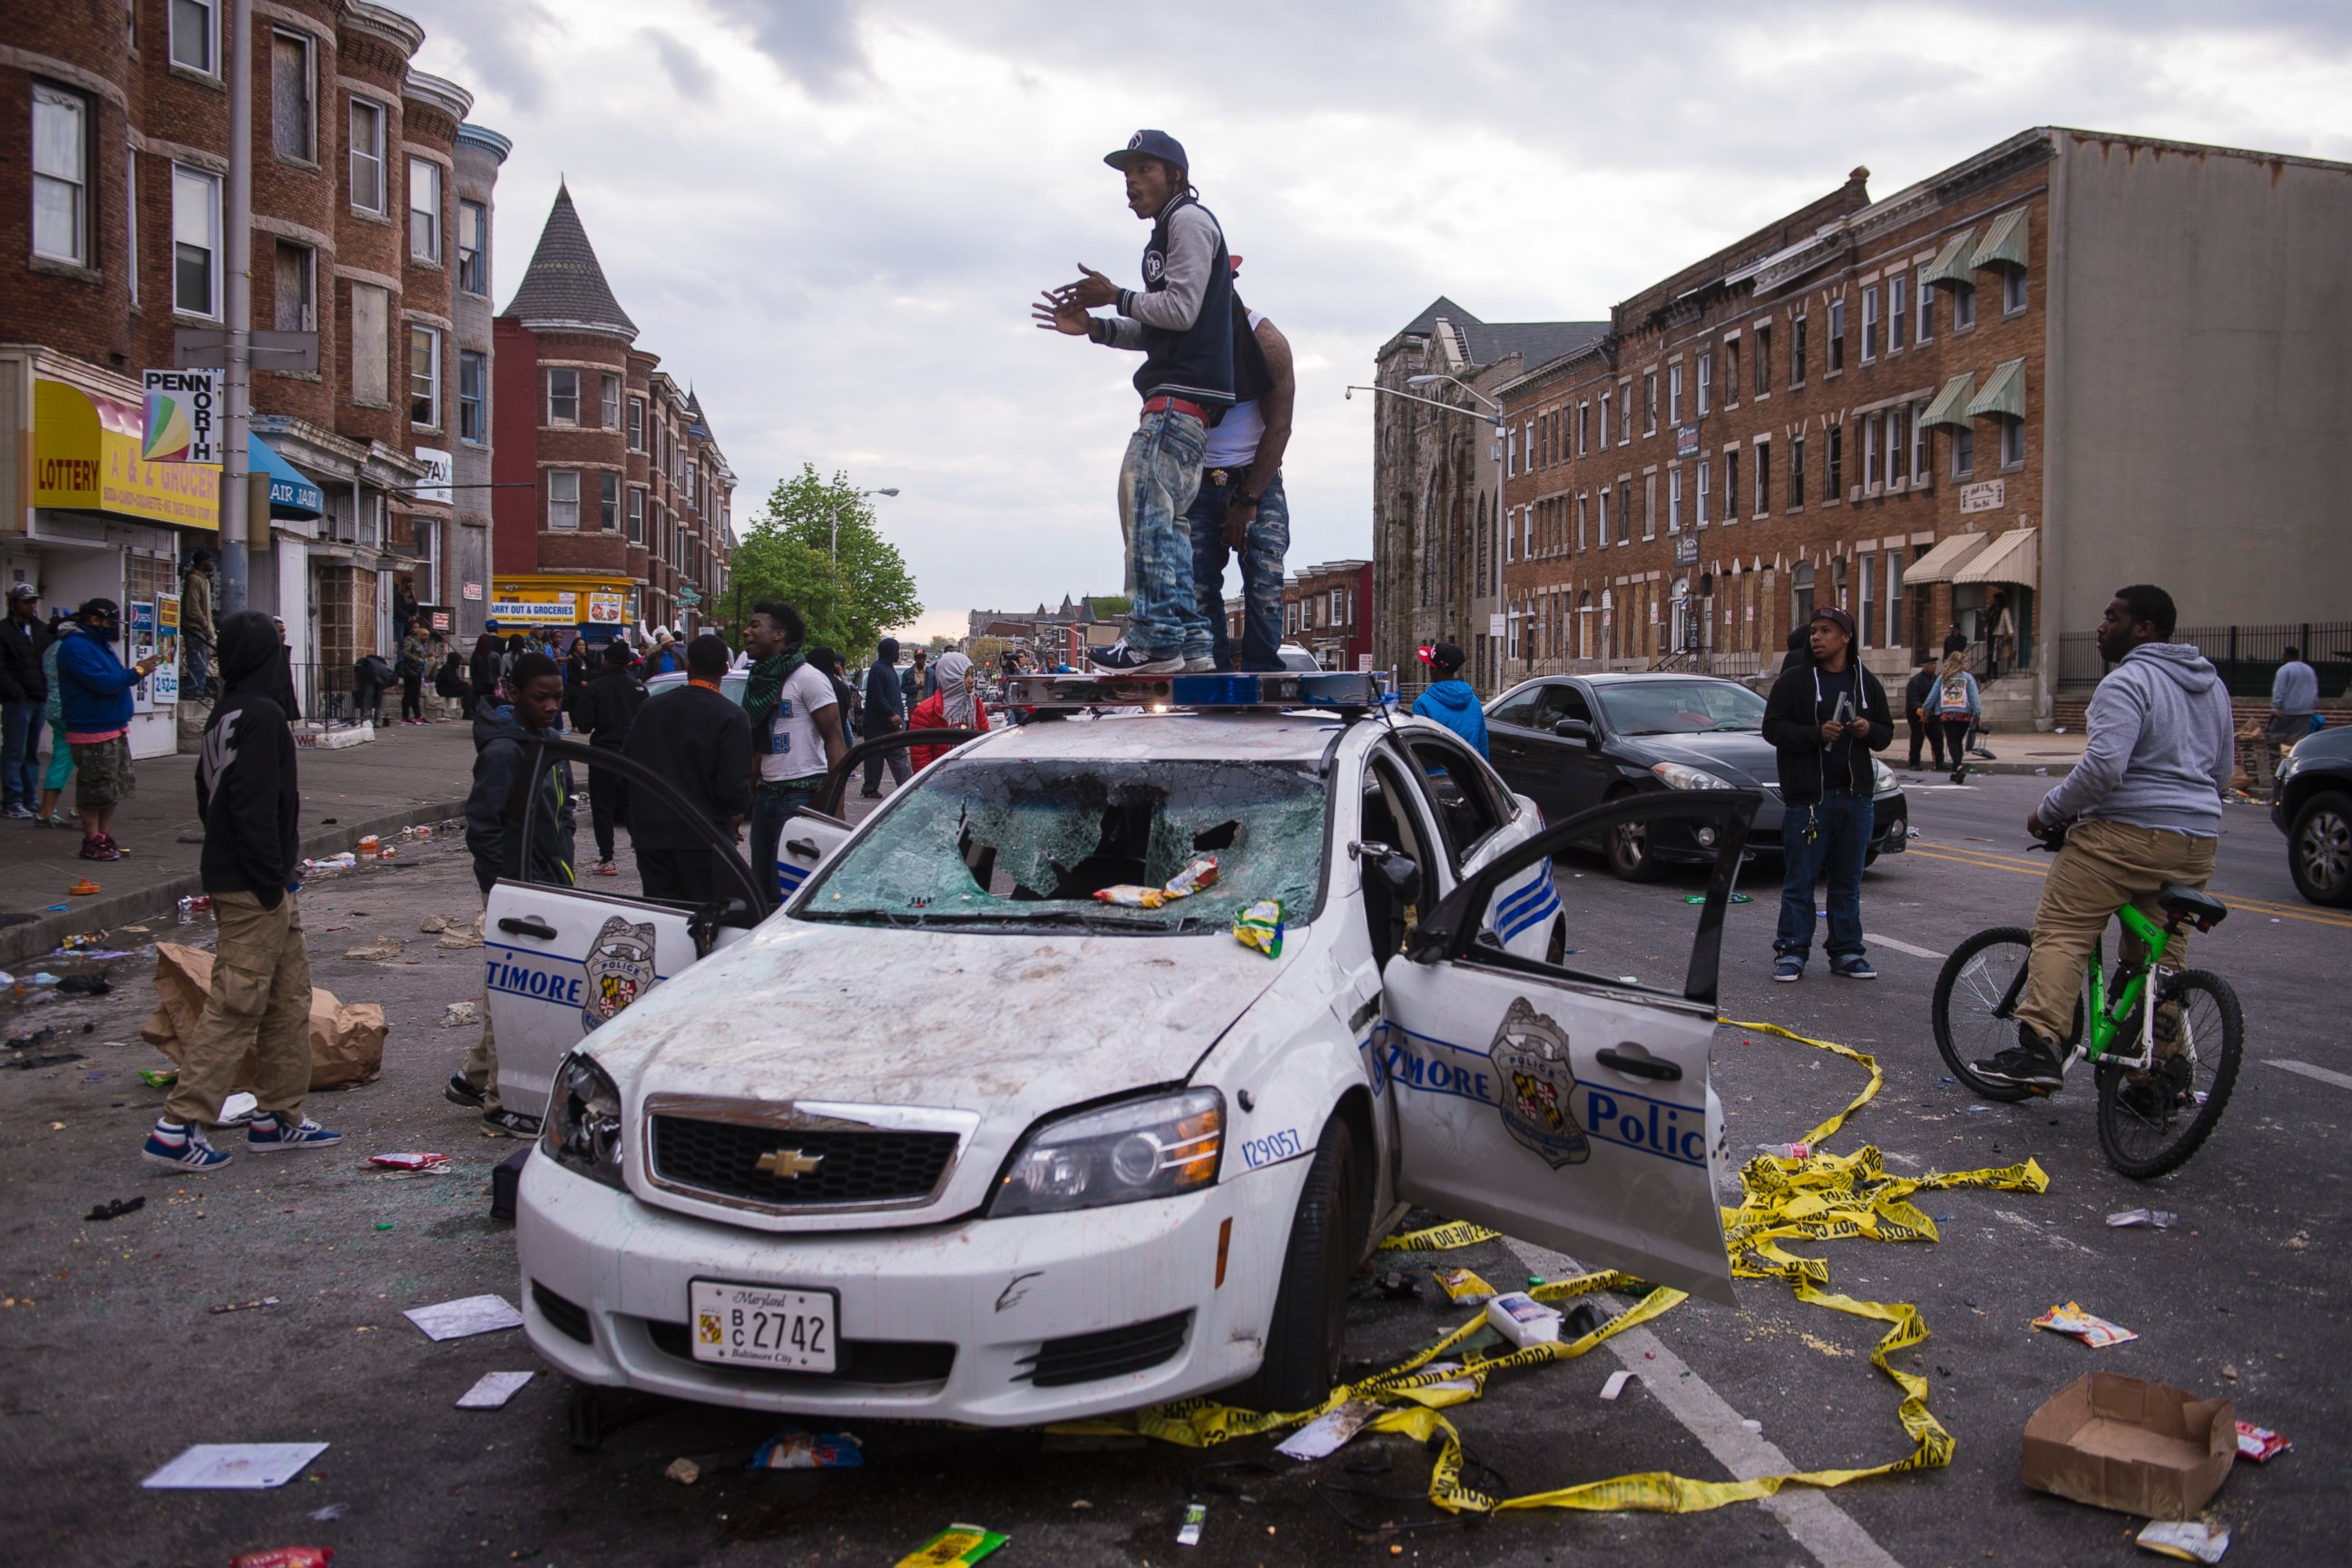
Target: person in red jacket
(956, 705)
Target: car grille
(875, 1361)
(723, 1158)
(1111, 1352)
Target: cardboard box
(2130, 1444)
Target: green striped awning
(1951, 405)
(2004, 244)
(2003, 397)
(1950, 266)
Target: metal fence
(2247, 656)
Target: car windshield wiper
(857, 917)
(1733, 728)
(1090, 920)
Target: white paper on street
(468, 1315)
(1616, 1384)
(234, 1466)
(493, 1389)
(1328, 1433)
(236, 1110)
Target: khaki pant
(259, 1004)
(481, 1068)
(2105, 866)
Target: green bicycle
(2164, 1073)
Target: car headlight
(1151, 1148)
(582, 1132)
(1882, 777)
(1681, 775)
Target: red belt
(1175, 405)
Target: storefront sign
(1985, 495)
(183, 415)
(163, 685)
(560, 610)
(605, 609)
(86, 457)
(473, 592)
(440, 469)
(1686, 551)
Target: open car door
(1563, 1108)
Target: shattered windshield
(984, 842)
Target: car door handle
(1641, 1066)
(800, 846)
(528, 925)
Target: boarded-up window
(294, 307)
(370, 344)
(291, 132)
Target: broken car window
(1030, 843)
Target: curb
(2053, 770)
(39, 938)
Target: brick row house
(2070, 361)
(614, 502)
(364, 232)
(1326, 609)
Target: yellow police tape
(1825, 1197)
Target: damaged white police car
(946, 1136)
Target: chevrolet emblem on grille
(789, 1163)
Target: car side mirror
(1402, 873)
(1576, 730)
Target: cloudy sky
(830, 218)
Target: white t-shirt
(1232, 442)
(799, 749)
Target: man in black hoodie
(1824, 717)
(501, 740)
(260, 1003)
(700, 744)
(886, 714)
(603, 710)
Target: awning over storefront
(2014, 558)
(1950, 266)
(2003, 397)
(2004, 243)
(1940, 564)
(86, 458)
(1951, 405)
(291, 495)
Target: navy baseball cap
(1149, 144)
(1836, 617)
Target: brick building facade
(614, 503)
(1326, 609)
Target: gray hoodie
(2161, 750)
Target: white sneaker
(1121, 659)
(1201, 664)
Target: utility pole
(235, 494)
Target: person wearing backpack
(1959, 704)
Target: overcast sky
(830, 218)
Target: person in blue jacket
(1448, 700)
(95, 701)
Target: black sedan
(1569, 742)
(2314, 809)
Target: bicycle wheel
(1975, 1012)
(2151, 1122)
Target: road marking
(1875, 940)
(1985, 860)
(1813, 1519)
(2341, 1081)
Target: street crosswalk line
(1875, 940)
(2341, 1081)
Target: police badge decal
(620, 967)
(1538, 1088)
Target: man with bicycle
(2141, 809)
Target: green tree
(848, 586)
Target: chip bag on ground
(1129, 896)
(958, 1543)
(2088, 1327)
(794, 1449)
(1259, 927)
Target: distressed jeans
(1157, 481)
(1260, 561)
(1837, 848)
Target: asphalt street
(117, 1360)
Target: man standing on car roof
(1182, 321)
(1241, 506)
(1824, 717)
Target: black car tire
(1627, 847)
(2319, 849)
(1304, 1337)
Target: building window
(1833, 469)
(473, 248)
(1730, 373)
(563, 397)
(473, 395)
(1604, 420)
(2013, 443)
(195, 25)
(1674, 500)
(1604, 518)
(611, 412)
(1649, 403)
(425, 211)
(636, 423)
(367, 155)
(564, 499)
(370, 344)
(2012, 290)
(1898, 311)
(1706, 381)
(1674, 393)
(423, 377)
(1624, 511)
(1870, 454)
(1625, 409)
(637, 517)
(1583, 427)
(1919, 458)
(1703, 474)
(60, 175)
(1511, 455)
(293, 125)
(1964, 307)
(1763, 477)
(1800, 333)
(1964, 451)
(1797, 472)
(1862, 602)
(1837, 335)
(1869, 323)
(1899, 446)
(1730, 486)
(608, 501)
(130, 219)
(1927, 310)
(1581, 534)
(1649, 506)
(295, 303)
(195, 242)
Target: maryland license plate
(752, 1325)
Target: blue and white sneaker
(1121, 659)
(1852, 967)
(269, 1133)
(1788, 968)
(178, 1148)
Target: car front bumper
(958, 1323)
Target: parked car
(948, 1137)
(2313, 809)
(1572, 743)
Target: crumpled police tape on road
(1825, 1197)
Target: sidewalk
(405, 776)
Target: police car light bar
(1226, 692)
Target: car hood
(1741, 756)
(1008, 1027)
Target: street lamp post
(844, 506)
(1457, 408)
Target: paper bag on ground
(2130, 1444)
(346, 1038)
